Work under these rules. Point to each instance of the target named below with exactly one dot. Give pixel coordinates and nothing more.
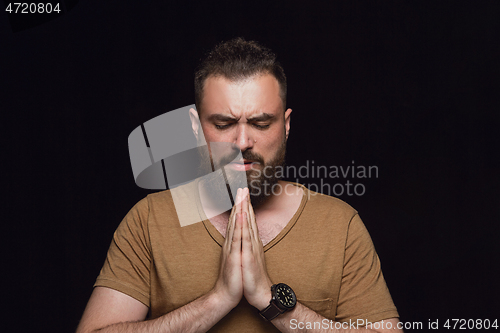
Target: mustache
(233, 153)
(252, 156)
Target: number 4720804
(471, 324)
(32, 8)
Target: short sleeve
(128, 262)
(363, 292)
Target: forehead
(257, 94)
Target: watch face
(285, 295)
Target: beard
(260, 181)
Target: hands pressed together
(243, 267)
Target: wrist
(220, 301)
(283, 299)
(263, 301)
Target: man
(282, 259)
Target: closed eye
(221, 127)
(259, 126)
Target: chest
(270, 225)
(186, 264)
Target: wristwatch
(283, 299)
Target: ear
(287, 122)
(195, 124)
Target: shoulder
(156, 199)
(139, 215)
(175, 207)
(153, 201)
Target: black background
(411, 87)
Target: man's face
(248, 114)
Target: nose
(243, 139)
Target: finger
(237, 205)
(244, 208)
(246, 245)
(240, 200)
(232, 222)
(253, 221)
(244, 202)
(233, 211)
(236, 239)
(250, 207)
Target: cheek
(211, 135)
(270, 143)
(273, 138)
(214, 135)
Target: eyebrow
(221, 117)
(261, 117)
(226, 117)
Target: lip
(242, 165)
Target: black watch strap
(271, 312)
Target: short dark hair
(235, 60)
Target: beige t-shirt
(324, 254)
